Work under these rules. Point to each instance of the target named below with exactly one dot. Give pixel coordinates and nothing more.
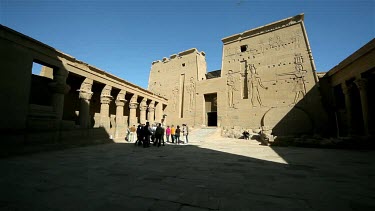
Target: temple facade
(267, 82)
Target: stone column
(142, 109)
(348, 106)
(362, 87)
(151, 112)
(159, 112)
(105, 100)
(120, 119)
(59, 89)
(133, 112)
(85, 95)
(164, 117)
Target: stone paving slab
(211, 173)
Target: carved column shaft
(348, 106)
(362, 87)
(151, 112)
(142, 113)
(105, 100)
(85, 95)
(158, 113)
(120, 119)
(132, 113)
(59, 89)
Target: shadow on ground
(188, 177)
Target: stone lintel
(264, 29)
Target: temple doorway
(211, 109)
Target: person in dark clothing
(158, 135)
(147, 135)
(139, 135)
(177, 135)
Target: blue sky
(124, 37)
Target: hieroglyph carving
(254, 81)
(296, 39)
(231, 84)
(275, 42)
(175, 92)
(191, 91)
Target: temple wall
(267, 82)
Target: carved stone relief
(174, 97)
(191, 91)
(298, 77)
(231, 84)
(254, 82)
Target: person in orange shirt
(173, 133)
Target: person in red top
(167, 133)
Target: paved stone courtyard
(211, 173)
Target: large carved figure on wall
(175, 93)
(299, 78)
(254, 82)
(231, 84)
(191, 91)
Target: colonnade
(150, 108)
(361, 85)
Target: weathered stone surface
(267, 81)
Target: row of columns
(361, 84)
(85, 95)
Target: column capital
(346, 88)
(142, 108)
(361, 83)
(150, 109)
(86, 95)
(121, 96)
(120, 102)
(133, 105)
(105, 99)
(85, 89)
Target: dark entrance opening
(211, 109)
(212, 118)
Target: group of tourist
(144, 134)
